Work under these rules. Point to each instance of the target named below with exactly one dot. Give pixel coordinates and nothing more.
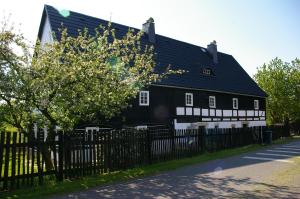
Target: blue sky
(254, 32)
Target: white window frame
(256, 104)
(214, 100)
(237, 103)
(186, 99)
(141, 103)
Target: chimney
(149, 29)
(212, 49)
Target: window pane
(189, 99)
(144, 95)
(212, 102)
(235, 103)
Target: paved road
(273, 172)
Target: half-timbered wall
(168, 105)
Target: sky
(253, 31)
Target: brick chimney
(149, 29)
(212, 50)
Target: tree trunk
(46, 153)
(46, 150)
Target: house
(214, 92)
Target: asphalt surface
(273, 172)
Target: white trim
(141, 127)
(261, 113)
(197, 111)
(197, 89)
(219, 112)
(186, 99)
(256, 104)
(204, 112)
(188, 111)
(237, 103)
(227, 113)
(234, 113)
(214, 100)
(92, 128)
(250, 113)
(212, 112)
(180, 111)
(208, 123)
(206, 119)
(242, 113)
(46, 36)
(147, 98)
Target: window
(206, 71)
(212, 102)
(180, 110)
(189, 99)
(144, 98)
(235, 103)
(256, 104)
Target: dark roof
(228, 76)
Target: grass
(52, 187)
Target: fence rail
(26, 160)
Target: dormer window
(206, 71)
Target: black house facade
(215, 91)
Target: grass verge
(52, 187)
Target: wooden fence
(79, 153)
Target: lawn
(51, 187)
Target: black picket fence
(23, 161)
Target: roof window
(206, 71)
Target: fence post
(7, 149)
(13, 160)
(60, 156)
(201, 132)
(172, 129)
(148, 142)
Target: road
(272, 172)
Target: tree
(14, 58)
(78, 77)
(281, 81)
(70, 79)
(74, 77)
